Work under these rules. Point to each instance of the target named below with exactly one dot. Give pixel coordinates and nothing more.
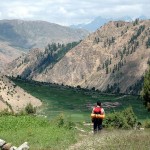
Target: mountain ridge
(100, 21)
(37, 34)
(19, 36)
(114, 57)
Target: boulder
(13, 148)
(7, 146)
(2, 142)
(24, 146)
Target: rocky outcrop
(8, 146)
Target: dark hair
(98, 103)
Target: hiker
(97, 116)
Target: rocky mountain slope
(13, 97)
(113, 58)
(18, 35)
(7, 54)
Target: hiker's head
(98, 103)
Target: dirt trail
(89, 140)
(121, 97)
(97, 141)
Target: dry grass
(115, 140)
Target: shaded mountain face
(18, 35)
(13, 97)
(113, 58)
(37, 61)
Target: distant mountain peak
(100, 21)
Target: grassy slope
(77, 103)
(38, 132)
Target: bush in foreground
(125, 119)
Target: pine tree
(107, 71)
(146, 90)
(148, 43)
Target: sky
(68, 12)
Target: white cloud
(19, 12)
(72, 11)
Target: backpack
(97, 110)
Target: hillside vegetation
(146, 90)
(37, 61)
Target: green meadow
(77, 103)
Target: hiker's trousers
(97, 124)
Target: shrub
(61, 121)
(130, 116)
(6, 112)
(116, 120)
(69, 124)
(125, 119)
(147, 123)
(29, 109)
(21, 113)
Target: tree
(148, 43)
(107, 70)
(146, 90)
(136, 22)
(118, 90)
